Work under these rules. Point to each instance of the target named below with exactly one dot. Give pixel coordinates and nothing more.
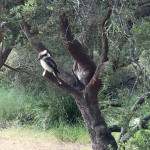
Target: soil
(14, 141)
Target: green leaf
(50, 8)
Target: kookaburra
(48, 63)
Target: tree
(86, 80)
(91, 78)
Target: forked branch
(66, 84)
(76, 49)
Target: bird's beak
(38, 59)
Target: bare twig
(18, 69)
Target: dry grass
(26, 139)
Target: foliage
(41, 110)
(140, 140)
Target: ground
(21, 139)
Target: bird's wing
(50, 62)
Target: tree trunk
(101, 137)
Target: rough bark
(99, 132)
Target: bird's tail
(55, 74)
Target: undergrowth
(43, 113)
(40, 110)
(59, 116)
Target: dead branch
(140, 101)
(144, 125)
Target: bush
(42, 110)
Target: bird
(48, 63)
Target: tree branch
(139, 3)
(127, 2)
(26, 29)
(144, 122)
(65, 86)
(112, 105)
(140, 101)
(18, 69)
(4, 56)
(143, 2)
(77, 51)
(115, 128)
(105, 46)
(106, 17)
(68, 82)
(96, 82)
(2, 25)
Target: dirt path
(18, 140)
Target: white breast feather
(45, 66)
